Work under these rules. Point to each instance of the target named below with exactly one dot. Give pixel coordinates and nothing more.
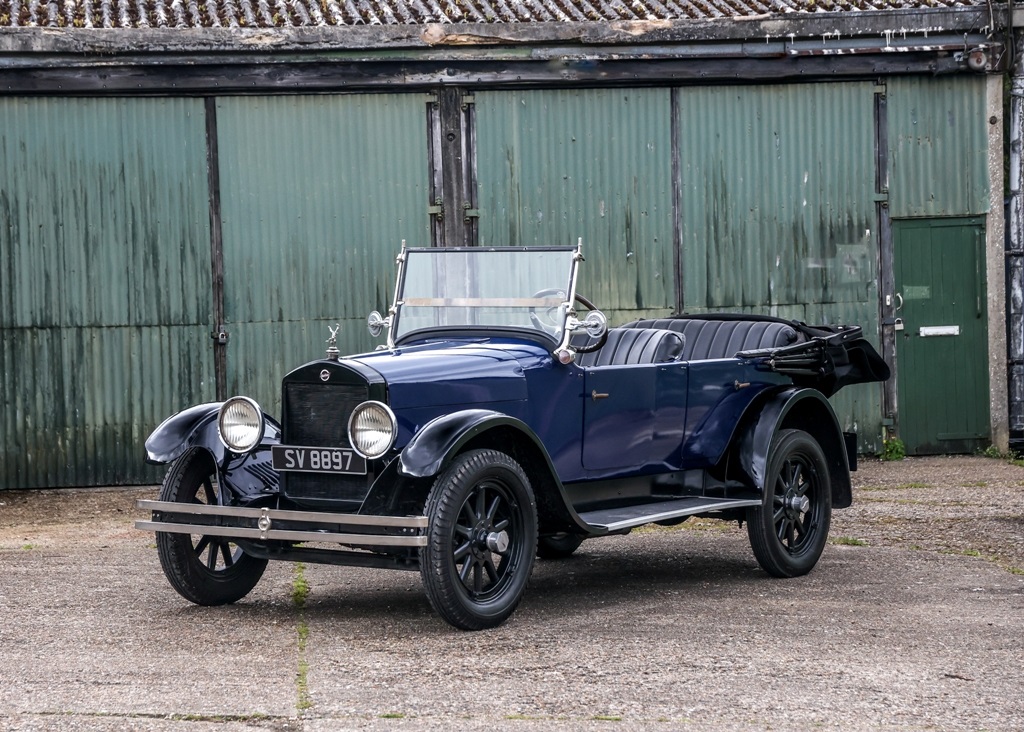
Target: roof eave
(869, 25)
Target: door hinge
(469, 213)
(436, 210)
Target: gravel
(912, 620)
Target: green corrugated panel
(937, 146)
(317, 194)
(557, 165)
(104, 319)
(777, 210)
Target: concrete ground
(913, 620)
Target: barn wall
(938, 147)
(104, 271)
(106, 288)
(312, 224)
(555, 166)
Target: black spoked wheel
(788, 532)
(558, 546)
(481, 540)
(206, 570)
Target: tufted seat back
(626, 346)
(706, 339)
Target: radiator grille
(317, 415)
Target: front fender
(192, 427)
(796, 408)
(432, 448)
(244, 476)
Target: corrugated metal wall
(777, 210)
(938, 147)
(557, 165)
(104, 283)
(312, 223)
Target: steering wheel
(584, 301)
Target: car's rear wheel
(481, 540)
(206, 570)
(558, 546)
(789, 530)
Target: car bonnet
(457, 371)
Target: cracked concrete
(913, 620)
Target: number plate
(341, 460)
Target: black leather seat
(706, 339)
(626, 346)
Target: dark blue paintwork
(599, 424)
(656, 418)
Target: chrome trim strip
(279, 535)
(314, 517)
(718, 505)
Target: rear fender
(195, 428)
(434, 447)
(794, 408)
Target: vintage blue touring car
(497, 425)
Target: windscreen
(480, 288)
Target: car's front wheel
(789, 530)
(481, 540)
(206, 570)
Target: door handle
(899, 305)
(595, 395)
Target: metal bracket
(436, 210)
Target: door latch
(220, 336)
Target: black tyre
(558, 546)
(788, 532)
(481, 540)
(205, 570)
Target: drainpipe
(1015, 252)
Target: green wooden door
(942, 349)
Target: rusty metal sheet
(313, 222)
(777, 209)
(938, 146)
(554, 166)
(104, 323)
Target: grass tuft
(847, 541)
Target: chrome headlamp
(240, 424)
(372, 429)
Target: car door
(634, 416)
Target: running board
(627, 517)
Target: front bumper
(269, 524)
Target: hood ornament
(332, 343)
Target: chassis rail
(282, 525)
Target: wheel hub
(486, 539)
(796, 504)
(497, 541)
